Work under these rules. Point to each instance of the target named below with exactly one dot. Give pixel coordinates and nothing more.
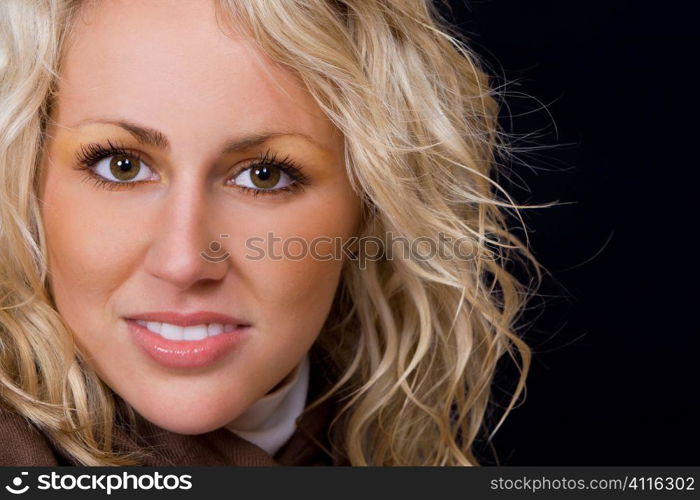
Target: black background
(614, 375)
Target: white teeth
(171, 332)
(154, 326)
(196, 332)
(215, 329)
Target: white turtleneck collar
(270, 421)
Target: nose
(184, 249)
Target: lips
(210, 336)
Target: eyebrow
(152, 137)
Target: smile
(194, 332)
(182, 347)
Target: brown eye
(263, 177)
(121, 168)
(124, 167)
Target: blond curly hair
(415, 342)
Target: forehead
(169, 65)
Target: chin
(188, 417)
(189, 426)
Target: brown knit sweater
(22, 444)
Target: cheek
(290, 283)
(89, 252)
(292, 292)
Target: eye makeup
(89, 156)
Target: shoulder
(21, 444)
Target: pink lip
(186, 353)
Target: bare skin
(133, 249)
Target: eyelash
(91, 154)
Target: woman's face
(165, 230)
